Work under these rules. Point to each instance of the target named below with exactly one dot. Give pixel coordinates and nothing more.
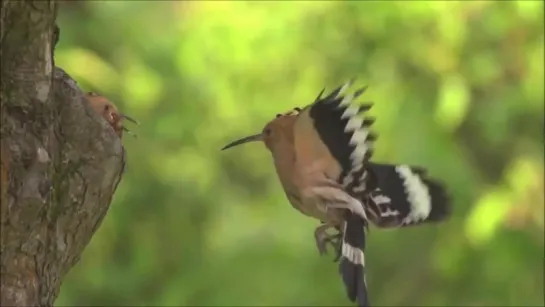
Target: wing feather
(334, 131)
(404, 195)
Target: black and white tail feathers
(400, 195)
(404, 195)
(352, 262)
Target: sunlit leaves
(454, 98)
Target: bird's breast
(314, 209)
(295, 177)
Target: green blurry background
(457, 86)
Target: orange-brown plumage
(296, 173)
(108, 111)
(300, 160)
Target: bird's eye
(268, 131)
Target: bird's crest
(293, 112)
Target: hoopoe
(321, 154)
(109, 112)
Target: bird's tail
(352, 262)
(404, 195)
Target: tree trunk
(61, 162)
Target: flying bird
(322, 157)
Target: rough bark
(61, 162)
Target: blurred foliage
(457, 86)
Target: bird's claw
(323, 239)
(336, 243)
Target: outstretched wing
(333, 136)
(404, 195)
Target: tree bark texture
(61, 162)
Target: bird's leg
(328, 196)
(323, 238)
(336, 242)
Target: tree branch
(61, 162)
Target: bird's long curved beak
(251, 138)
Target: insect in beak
(251, 138)
(132, 120)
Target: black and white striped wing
(345, 131)
(404, 195)
(343, 128)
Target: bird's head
(109, 112)
(277, 130)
